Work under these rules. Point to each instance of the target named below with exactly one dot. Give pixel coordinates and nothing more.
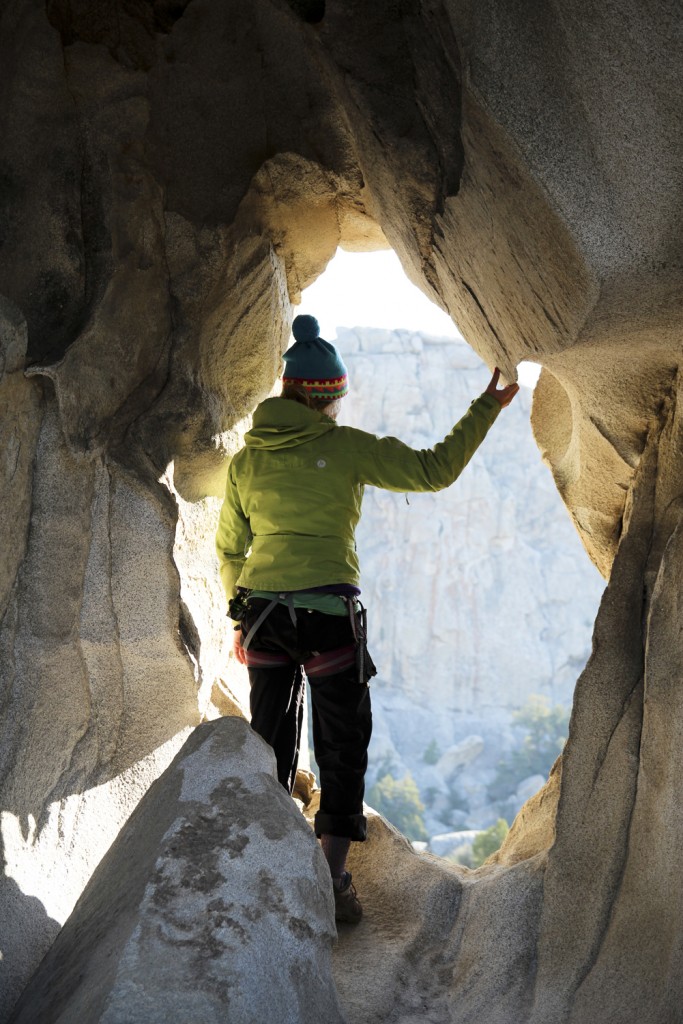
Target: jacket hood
(282, 423)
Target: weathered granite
(214, 903)
(97, 690)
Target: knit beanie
(314, 363)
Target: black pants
(340, 712)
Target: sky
(370, 289)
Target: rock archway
(172, 176)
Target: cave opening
(481, 598)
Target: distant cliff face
(479, 596)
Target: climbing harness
(289, 600)
(359, 627)
(320, 664)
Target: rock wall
(97, 691)
(171, 177)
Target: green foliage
(488, 842)
(457, 801)
(398, 800)
(546, 733)
(430, 795)
(462, 856)
(432, 753)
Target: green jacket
(294, 492)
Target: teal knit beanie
(314, 363)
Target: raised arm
(394, 466)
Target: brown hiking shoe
(347, 906)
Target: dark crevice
(619, 718)
(483, 312)
(128, 442)
(189, 634)
(310, 11)
(167, 12)
(57, 320)
(449, 145)
(126, 27)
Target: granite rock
(214, 901)
(172, 176)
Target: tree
(488, 841)
(432, 753)
(398, 800)
(546, 733)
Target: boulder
(214, 903)
(448, 842)
(459, 755)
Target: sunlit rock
(214, 902)
(428, 929)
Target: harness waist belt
(317, 667)
(329, 662)
(266, 659)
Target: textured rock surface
(172, 175)
(96, 690)
(214, 903)
(617, 780)
(568, 921)
(437, 942)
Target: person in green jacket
(288, 562)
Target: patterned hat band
(332, 388)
